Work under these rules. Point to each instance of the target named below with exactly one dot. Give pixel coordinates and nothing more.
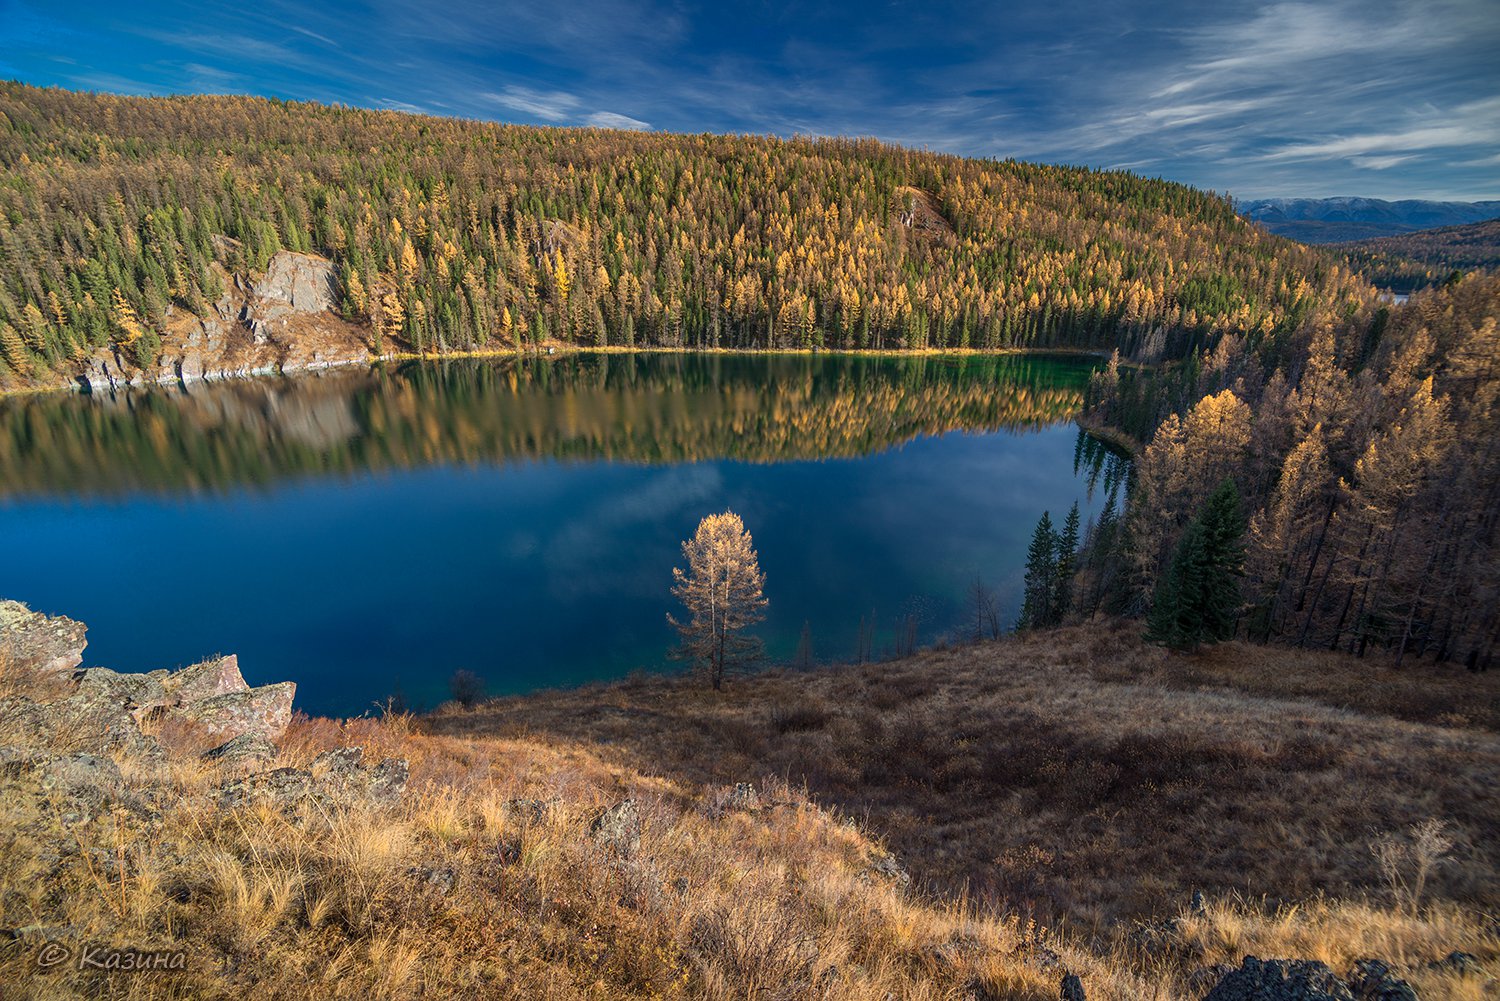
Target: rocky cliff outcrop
(285, 321)
(61, 729)
(30, 641)
(109, 710)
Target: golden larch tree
(722, 589)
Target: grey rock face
(1280, 980)
(46, 644)
(618, 828)
(265, 711)
(301, 281)
(218, 676)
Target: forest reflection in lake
(363, 530)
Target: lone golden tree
(721, 589)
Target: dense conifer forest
(451, 234)
(1368, 458)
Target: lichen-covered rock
(45, 644)
(1280, 980)
(216, 676)
(282, 786)
(265, 711)
(77, 786)
(246, 750)
(139, 694)
(618, 828)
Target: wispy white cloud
(1391, 98)
(611, 120)
(1475, 124)
(549, 105)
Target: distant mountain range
(1337, 220)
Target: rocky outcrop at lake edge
(285, 321)
(62, 727)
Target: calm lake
(364, 532)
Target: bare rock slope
(285, 321)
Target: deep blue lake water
(360, 533)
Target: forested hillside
(118, 214)
(1416, 260)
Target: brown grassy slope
(1081, 774)
(485, 882)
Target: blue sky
(1376, 98)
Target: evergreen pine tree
(1067, 566)
(1041, 573)
(1197, 600)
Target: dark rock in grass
(246, 750)
(619, 828)
(1372, 980)
(1071, 988)
(890, 871)
(1280, 980)
(1458, 962)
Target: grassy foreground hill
(651, 839)
(135, 231)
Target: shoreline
(546, 350)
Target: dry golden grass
(486, 881)
(1080, 775)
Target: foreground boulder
(102, 711)
(1307, 980)
(265, 711)
(1281, 980)
(42, 644)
